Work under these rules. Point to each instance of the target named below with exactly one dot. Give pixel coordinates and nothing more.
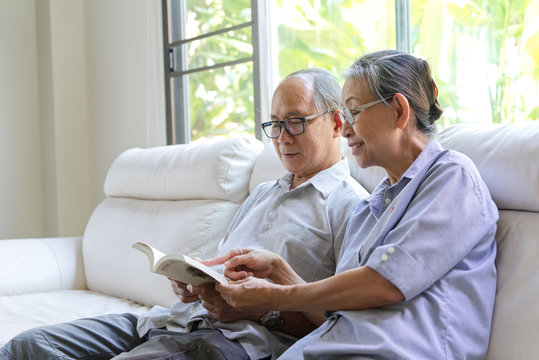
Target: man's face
(311, 152)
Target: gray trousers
(115, 336)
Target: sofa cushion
(516, 314)
(112, 266)
(23, 312)
(267, 167)
(507, 156)
(39, 265)
(177, 198)
(217, 170)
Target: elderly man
(302, 216)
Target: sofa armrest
(41, 265)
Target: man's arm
(295, 323)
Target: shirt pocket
(308, 250)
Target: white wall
(64, 122)
(125, 82)
(81, 81)
(21, 174)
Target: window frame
(264, 59)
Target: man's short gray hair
(326, 88)
(388, 72)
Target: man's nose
(285, 137)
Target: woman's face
(372, 136)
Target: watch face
(272, 320)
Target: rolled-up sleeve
(442, 223)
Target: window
(226, 56)
(485, 54)
(331, 34)
(213, 65)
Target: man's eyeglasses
(294, 126)
(349, 114)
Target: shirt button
(388, 200)
(391, 250)
(384, 257)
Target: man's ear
(338, 117)
(403, 110)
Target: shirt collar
(325, 181)
(432, 148)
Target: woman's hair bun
(435, 111)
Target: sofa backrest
(507, 157)
(177, 198)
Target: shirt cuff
(401, 269)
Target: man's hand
(217, 308)
(220, 310)
(180, 290)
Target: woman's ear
(403, 110)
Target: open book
(179, 266)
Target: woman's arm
(354, 289)
(242, 263)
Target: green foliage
(220, 100)
(331, 34)
(485, 36)
(484, 62)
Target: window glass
(331, 34)
(221, 102)
(220, 99)
(204, 16)
(485, 54)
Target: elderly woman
(416, 276)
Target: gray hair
(388, 72)
(327, 91)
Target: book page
(179, 267)
(197, 265)
(152, 253)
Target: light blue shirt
(306, 225)
(432, 235)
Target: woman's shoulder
(455, 160)
(459, 169)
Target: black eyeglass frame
(284, 123)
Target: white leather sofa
(182, 198)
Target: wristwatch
(272, 320)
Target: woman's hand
(252, 294)
(242, 263)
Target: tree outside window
(484, 54)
